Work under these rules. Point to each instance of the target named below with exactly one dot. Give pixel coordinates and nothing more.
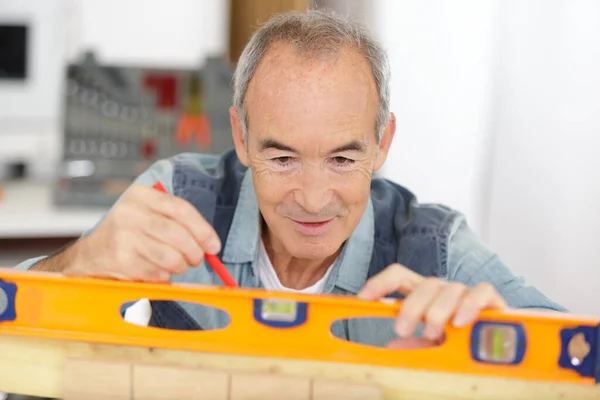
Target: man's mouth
(313, 228)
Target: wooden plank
(96, 380)
(329, 389)
(159, 382)
(36, 367)
(268, 386)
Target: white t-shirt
(269, 278)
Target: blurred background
(497, 101)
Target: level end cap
(8, 292)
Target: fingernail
(214, 247)
(402, 327)
(431, 332)
(463, 317)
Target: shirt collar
(244, 234)
(354, 261)
(351, 268)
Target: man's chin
(309, 250)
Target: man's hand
(429, 300)
(148, 236)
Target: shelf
(27, 211)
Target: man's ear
(385, 143)
(238, 136)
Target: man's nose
(314, 192)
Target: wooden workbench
(37, 367)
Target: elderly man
(295, 207)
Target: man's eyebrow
(355, 145)
(274, 144)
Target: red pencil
(220, 269)
(211, 259)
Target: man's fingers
(482, 296)
(415, 306)
(394, 278)
(134, 267)
(185, 214)
(160, 255)
(442, 308)
(169, 232)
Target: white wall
(441, 55)
(155, 32)
(545, 214)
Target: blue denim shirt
(463, 257)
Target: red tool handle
(211, 259)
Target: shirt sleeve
(161, 170)
(470, 261)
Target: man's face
(311, 147)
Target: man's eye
(283, 160)
(342, 161)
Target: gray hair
(313, 32)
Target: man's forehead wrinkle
(289, 82)
(295, 82)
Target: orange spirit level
(515, 344)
